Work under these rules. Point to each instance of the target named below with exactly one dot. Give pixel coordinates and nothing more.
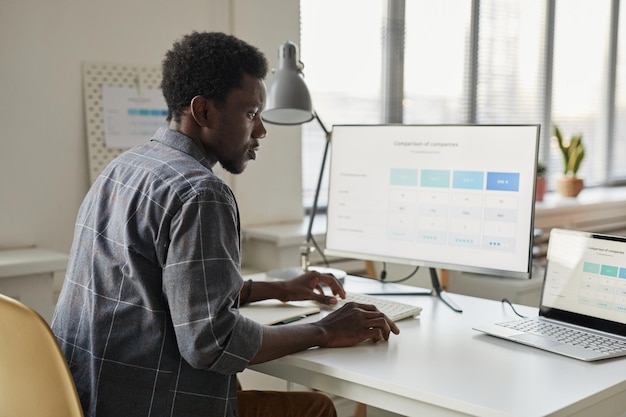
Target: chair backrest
(34, 377)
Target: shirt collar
(181, 142)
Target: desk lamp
(289, 103)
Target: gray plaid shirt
(148, 315)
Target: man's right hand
(354, 323)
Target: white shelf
(30, 261)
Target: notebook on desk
(583, 297)
(270, 312)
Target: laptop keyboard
(568, 335)
(395, 310)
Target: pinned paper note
(131, 115)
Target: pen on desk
(291, 320)
(397, 293)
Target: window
(580, 80)
(434, 74)
(341, 52)
(485, 61)
(617, 165)
(510, 77)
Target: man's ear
(203, 111)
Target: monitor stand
(441, 293)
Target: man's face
(239, 128)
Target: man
(148, 315)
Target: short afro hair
(210, 64)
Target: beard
(233, 167)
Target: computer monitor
(455, 197)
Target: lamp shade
(288, 98)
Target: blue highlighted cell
(609, 271)
(436, 178)
(147, 112)
(622, 273)
(503, 181)
(468, 180)
(406, 177)
(591, 268)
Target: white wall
(43, 155)
(270, 191)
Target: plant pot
(569, 186)
(540, 189)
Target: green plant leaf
(573, 152)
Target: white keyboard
(395, 310)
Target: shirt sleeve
(202, 281)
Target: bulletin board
(95, 76)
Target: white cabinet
(33, 276)
(265, 248)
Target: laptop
(582, 313)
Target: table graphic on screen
(444, 196)
(603, 286)
(454, 208)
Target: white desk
(439, 366)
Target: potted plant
(540, 188)
(569, 184)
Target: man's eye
(252, 114)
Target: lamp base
(290, 273)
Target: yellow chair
(34, 377)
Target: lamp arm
(305, 250)
(309, 234)
(326, 131)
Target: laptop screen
(585, 280)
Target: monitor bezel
(558, 314)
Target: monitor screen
(457, 197)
